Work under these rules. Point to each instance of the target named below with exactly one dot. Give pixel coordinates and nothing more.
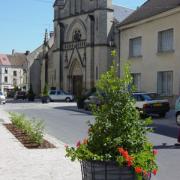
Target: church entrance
(77, 85)
(76, 74)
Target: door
(60, 96)
(77, 85)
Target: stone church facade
(85, 33)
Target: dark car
(91, 100)
(20, 95)
(148, 105)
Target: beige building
(150, 41)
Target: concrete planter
(45, 99)
(96, 170)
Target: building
(12, 71)
(150, 41)
(40, 65)
(85, 33)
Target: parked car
(20, 95)
(177, 110)
(92, 99)
(147, 105)
(60, 95)
(2, 98)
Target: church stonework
(85, 34)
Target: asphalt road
(63, 121)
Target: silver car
(60, 95)
(2, 98)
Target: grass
(32, 127)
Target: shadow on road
(166, 130)
(164, 146)
(74, 109)
(12, 101)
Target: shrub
(45, 90)
(31, 94)
(118, 133)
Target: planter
(31, 98)
(45, 99)
(97, 170)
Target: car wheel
(178, 119)
(67, 99)
(50, 100)
(162, 115)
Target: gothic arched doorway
(76, 80)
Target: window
(52, 93)
(59, 92)
(97, 73)
(6, 70)
(135, 47)
(165, 83)
(5, 79)
(14, 82)
(137, 80)
(14, 73)
(77, 35)
(165, 40)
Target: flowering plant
(118, 133)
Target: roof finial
(46, 36)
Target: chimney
(27, 53)
(13, 51)
(51, 34)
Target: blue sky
(23, 22)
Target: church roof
(151, 8)
(120, 13)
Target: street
(66, 123)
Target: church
(85, 33)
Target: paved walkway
(19, 163)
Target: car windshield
(147, 97)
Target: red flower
(155, 151)
(66, 146)
(125, 154)
(78, 144)
(129, 163)
(121, 150)
(154, 171)
(138, 170)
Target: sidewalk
(19, 163)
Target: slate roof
(151, 8)
(120, 13)
(18, 59)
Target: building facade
(85, 34)
(11, 71)
(150, 41)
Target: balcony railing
(72, 45)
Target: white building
(11, 71)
